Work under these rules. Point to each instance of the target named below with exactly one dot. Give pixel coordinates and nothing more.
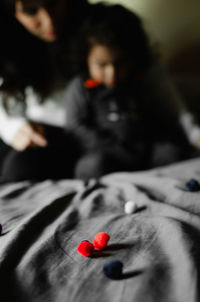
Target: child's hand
(29, 136)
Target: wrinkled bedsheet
(159, 244)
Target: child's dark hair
(113, 26)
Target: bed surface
(159, 244)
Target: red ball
(85, 248)
(100, 240)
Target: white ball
(130, 207)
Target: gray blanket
(159, 244)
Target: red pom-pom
(90, 83)
(85, 248)
(101, 240)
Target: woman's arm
(17, 132)
(9, 126)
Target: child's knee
(89, 166)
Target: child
(121, 103)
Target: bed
(158, 244)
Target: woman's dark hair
(25, 59)
(113, 26)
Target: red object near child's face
(90, 83)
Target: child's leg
(114, 159)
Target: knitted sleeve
(9, 125)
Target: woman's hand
(29, 135)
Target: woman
(34, 70)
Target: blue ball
(113, 269)
(192, 185)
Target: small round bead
(113, 269)
(130, 207)
(101, 240)
(192, 185)
(85, 248)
